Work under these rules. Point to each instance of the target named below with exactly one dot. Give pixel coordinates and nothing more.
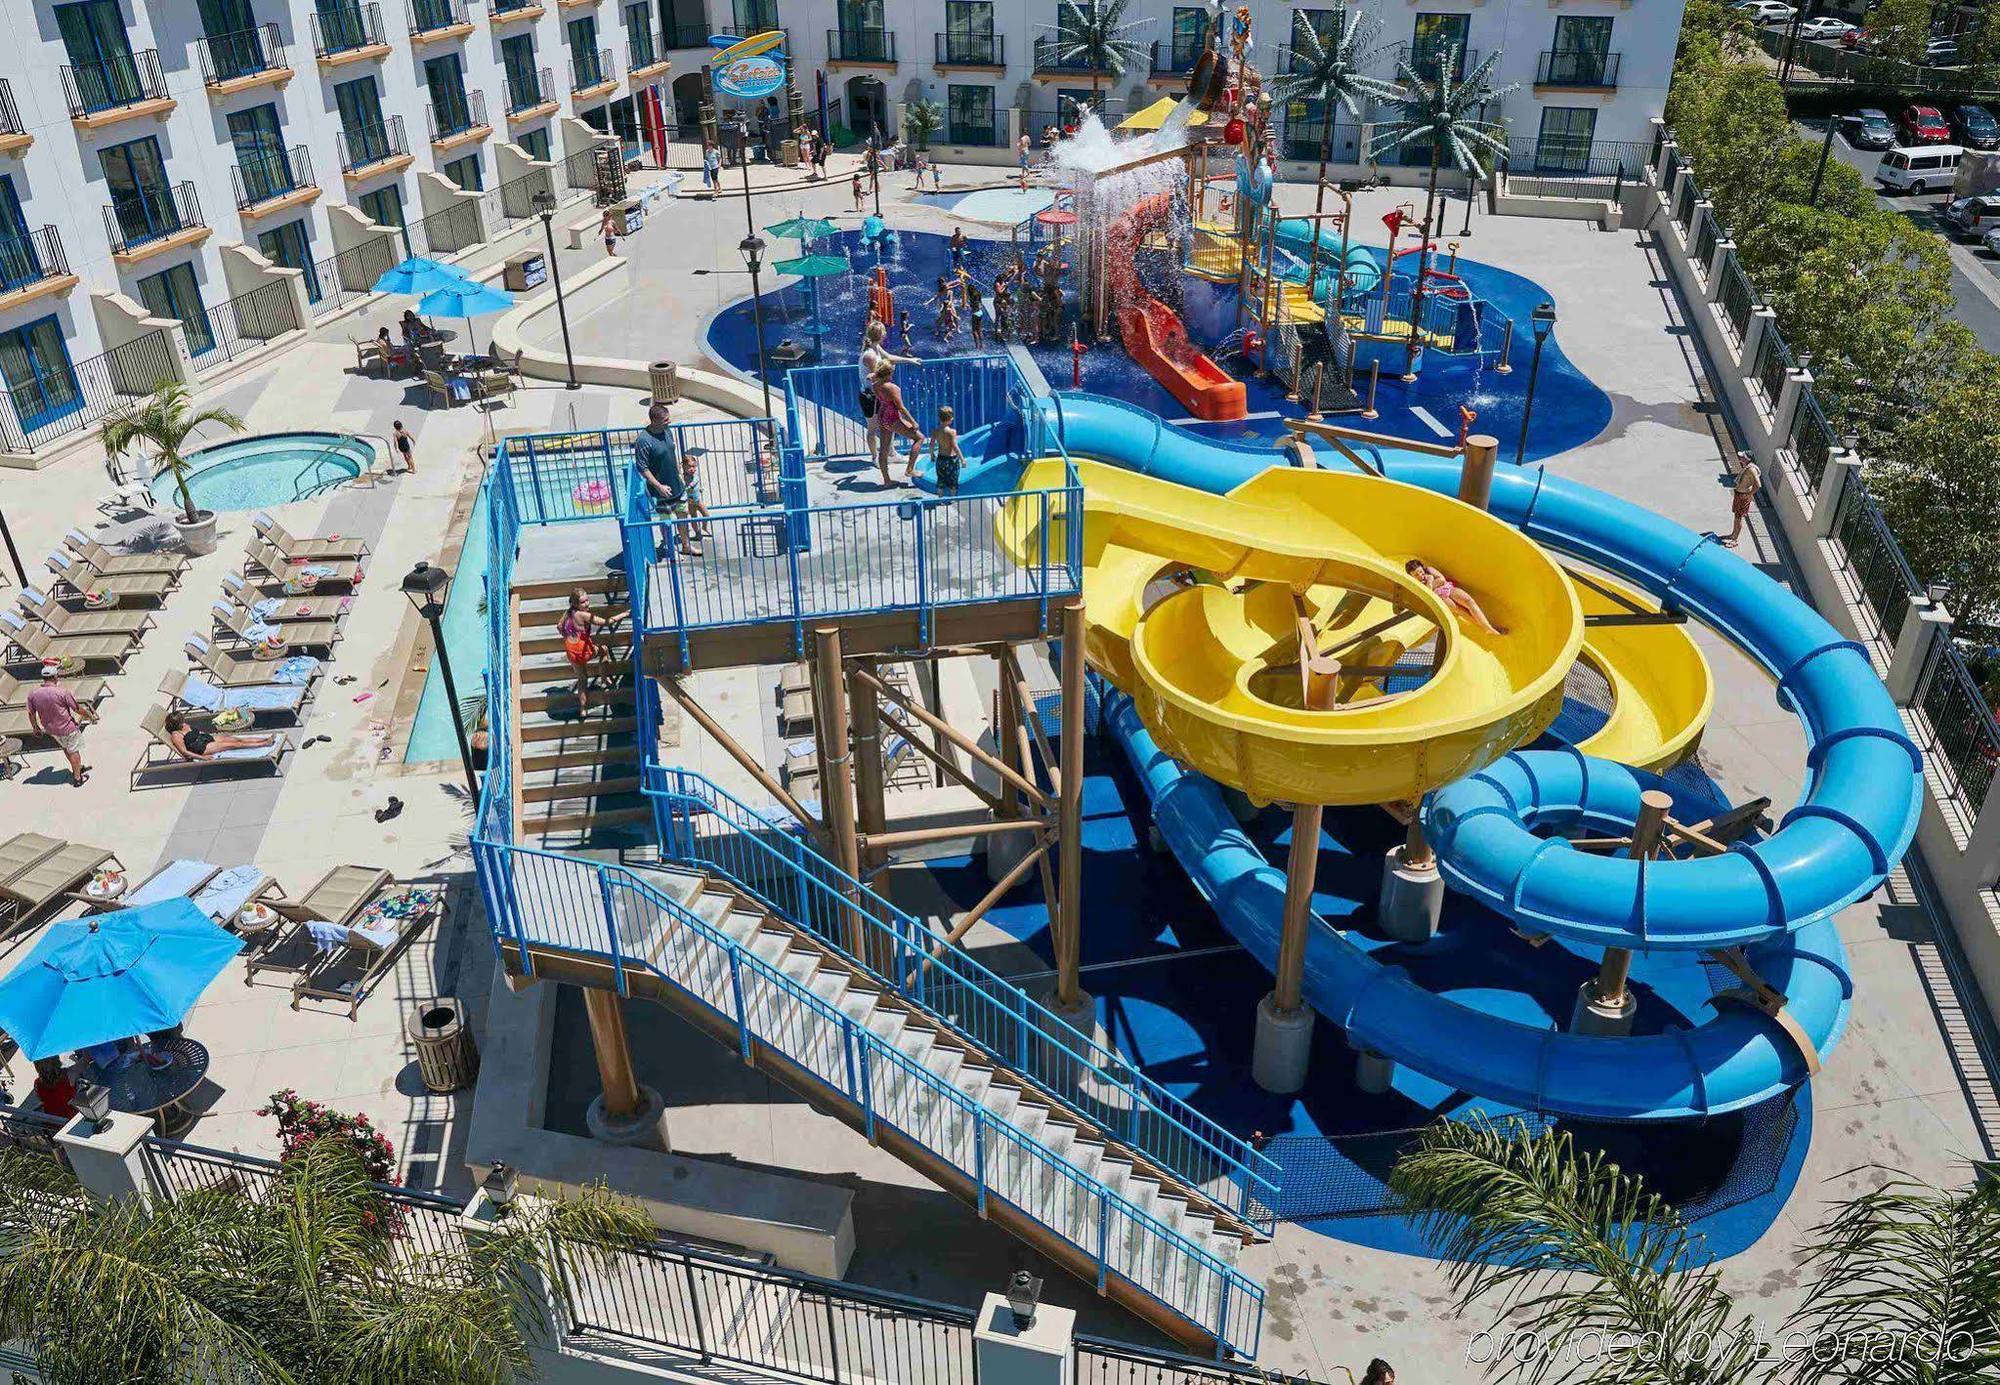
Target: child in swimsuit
(1453, 595)
(581, 646)
(944, 446)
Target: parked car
(1867, 129)
(1919, 169)
(1975, 127)
(1973, 217)
(1766, 11)
(1991, 240)
(1923, 125)
(1941, 52)
(1826, 26)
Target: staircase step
(540, 612)
(558, 589)
(586, 820)
(617, 642)
(589, 751)
(582, 729)
(545, 700)
(582, 785)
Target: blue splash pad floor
(1569, 410)
(1177, 994)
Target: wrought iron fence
(352, 273)
(1573, 67)
(1812, 438)
(31, 258)
(372, 144)
(1880, 570)
(57, 404)
(468, 112)
(271, 173)
(429, 16)
(225, 57)
(343, 28)
(1737, 296)
(1685, 200)
(449, 231)
(1964, 733)
(249, 320)
(1774, 358)
(146, 214)
(861, 44)
(10, 114)
(1100, 1361)
(969, 50)
(125, 79)
(590, 68)
(1705, 239)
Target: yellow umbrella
(1155, 115)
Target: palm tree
(1576, 1254)
(300, 1283)
(1443, 109)
(165, 422)
(921, 120)
(1095, 34)
(1328, 69)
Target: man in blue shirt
(659, 461)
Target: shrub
(302, 1123)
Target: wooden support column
(1616, 969)
(1301, 873)
(836, 765)
(614, 1052)
(1069, 816)
(1475, 481)
(1006, 736)
(869, 789)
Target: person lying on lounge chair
(198, 744)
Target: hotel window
(290, 247)
(465, 173)
(536, 142)
(34, 361)
(175, 293)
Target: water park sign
(751, 68)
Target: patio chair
(221, 892)
(439, 387)
(227, 670)
(36, 644)
(49, 879)
(78, 576)
(268, 566)
(347, 964)
(159, 754)
(369, 356)
(196, 698)
(14, 691)
(336, 899)
(281, 610)
(299, 634)
(59, 619)
(313, 549)
(118, 564)
(489, 383)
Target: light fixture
(1024, 1292)
(1937, 593)
(753, 252)
(1542, 319)
(501, 1185)
(544, 203)
(93, 1103)
(426, 586)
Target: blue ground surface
(431, 735)
(1569, 410)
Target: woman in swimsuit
(893, 421)
(1454, 595)
(198, 744)
(581, 646)
(875, 353)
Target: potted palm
(922, 119)
(164, 423)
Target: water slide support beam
(836, 762)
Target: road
(1975, 275)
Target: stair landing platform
(569, 552)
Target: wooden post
(1069, 816)
(869, 789)
(1006, 735)
(1416, 850)
(614, 1052)
(1301, 872)
(1475, 480)
(836, 765)
(1616, 968)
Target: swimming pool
(271, 469)
(464, 626)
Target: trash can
(445, 1055)
(788, 154)
(666, 382)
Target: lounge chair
(490, 382)
(280, 610)
(314, 549)
(228, 670)
(350, 957)
(299, 634)
(337, 898)
(49, 879)
(36, 645)
(159, 753)
(14, 691)
(79, 575)
(117, 564)
(267, 566)
(22, 850)
(59, 619)
(221, 892)
(198, 699)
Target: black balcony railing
(1566, 67)
(859, 45)
(10, 114)
(644, 50)
(345, 29)
(527, 90)
(685, 35)
(590, 68)
(752, 17)
(271, 173)
(987, 131)
(1428, 60)
(143, 215)
(429, 16)
(29, 259)
(1177, 57)
(509, 6)
(971, 50)
(455, 117)
(125, 80)
(364, 145)
(225, 57)
(1054, 53)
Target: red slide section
(1153, 332)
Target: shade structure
(813, 268)
(95, 980)
(803, 228)
(418, 275)
(1056, 216)
(465, 299)
(1154, 116)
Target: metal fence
(249, 320)
(56, 405)
(1737, 297)
(352, 273)
(552, 478)
(1963, 731)
(1880, 570)
(1685, 200)
(1774, 359)
(1705, 239)
(1812, 438)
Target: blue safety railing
(555, 477)
(823, 412)
(598, 911)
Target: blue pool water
(272, 469)
(464, 624)
(1569, 409)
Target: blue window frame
(360, 106)
(100, 53)
(20, 262)
(174, 292)
(290, 245)
(466, 172)
(235, 45)
(583, 52)
(384, 205)
(34, 361)
(261, 159)
(524, 85)
(445, 76)
(536, 142)
(141, 198)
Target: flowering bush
(302, 1122)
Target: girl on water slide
(1454, 595)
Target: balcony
(460, 122)
(435, 21)
(752, 17)
(150, 221)
(591, 75)
(349, 35)
(573, 4)
(1576, 70)
(969, 50)
(1426, 65)
(858, 47)
(1174, 60)
(531, 97)
(1050, 62)
(14, 136)
(645, 58)
(369, 150)
(121, 88)
(274, 181)
(33, 266)
(505, 12)
(237, 62)
(683, 35)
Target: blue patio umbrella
(465, 299)
(812, 269)
(96, 980)
(418, 275)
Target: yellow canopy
(1155, 115)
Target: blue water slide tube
(1363, 273)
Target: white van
(1919, 168)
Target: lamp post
(426, 586)
(752, 247)
(1541, 319)
(545, 208)
(1471, 191)
(7, 535)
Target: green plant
(303, 1124)
(165, 420)
(1095, 34)
(923, 119)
